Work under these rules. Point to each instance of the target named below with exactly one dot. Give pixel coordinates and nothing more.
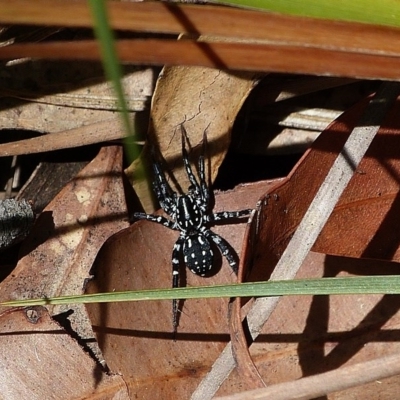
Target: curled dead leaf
(360, 233)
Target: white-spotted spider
(191, 214)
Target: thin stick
(328, 382)
(95, 133)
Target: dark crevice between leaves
(63, 320)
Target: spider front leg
(155, 218)
(230, 214)
(165, 195)
(202, 173)
(175, 280)
(200, 188)
(186, 163)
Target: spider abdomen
(197, 254)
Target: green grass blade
(112, 68)
(383, 12)
(389, 284)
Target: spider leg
(155, 218)
(186, 163)
(230, 214)
(166, 203)
(165, 195)
(224, 247)
(175, 280)
(203, 181)
(200, 190)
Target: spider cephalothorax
(191, 214)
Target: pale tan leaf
(204, 100)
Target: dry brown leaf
(363, 207)
(205, 100)
(306, 335)
(39, 360)
(60, 250)
(136, 338)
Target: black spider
(190, 214)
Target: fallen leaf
(39, 360)
(205, 100)
(308, 335)
(136, 338)
(64, 241)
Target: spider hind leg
(225, 249)
(175, 281)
